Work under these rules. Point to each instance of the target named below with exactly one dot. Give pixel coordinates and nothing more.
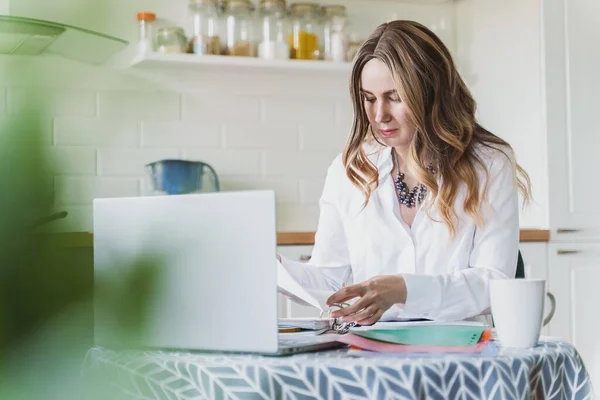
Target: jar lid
(209, 2)
(272, 4)
(304, 7)
(146, 16)
(334, 10)
(234, 4)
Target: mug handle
(214, 177)
(552, 308)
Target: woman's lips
(387, 132)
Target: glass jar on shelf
(336, 44)
(354, 44)
(171, 40)
(239, 24)
(205, 18)
(275, 30)
(145, 31)
(221, 5)
(304, 38)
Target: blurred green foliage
(47, 290)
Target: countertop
(86, 239)
(307, 238)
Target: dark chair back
(520, 274)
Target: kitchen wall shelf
(158, 61)
(420, 1)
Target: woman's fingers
(346, 293)
(361, 315)
(362, 303)
(371, 319)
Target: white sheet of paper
(290, 288)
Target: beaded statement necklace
(409, 198)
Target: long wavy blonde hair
(442, 111)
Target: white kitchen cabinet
(574, 274)
(571, 34)
(535, 257)
(572, 84)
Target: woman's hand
(377, 295)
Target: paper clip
(338, 325)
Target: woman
(421, 209)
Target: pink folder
(384, 347)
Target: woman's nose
(382, 114)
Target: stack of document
(383, 337)
(419, 337)
(305, 323)
(293, 290)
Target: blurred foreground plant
(46, 295)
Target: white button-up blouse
(447, 278)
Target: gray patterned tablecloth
(553, 370)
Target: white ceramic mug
(518, 310)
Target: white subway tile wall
(275, 130)
(300, 164)
(98, 132)
(344, 113)
(130, 162)
(73, 160)
(144, 105)
(297, 217)
(266, 135)
(325, 136)
(287, 190)
(310, 190)
(227, 161)
(221, 106)
(54, 101)
(161, 134)
(298, 110)
(82, 190)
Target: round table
(551, 370)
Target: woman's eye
(369, 100)
(395, 99)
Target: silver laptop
(218, 282)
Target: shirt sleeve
(329, 266)
(465, 294)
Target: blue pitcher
(182, 177)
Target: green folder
(426, 335)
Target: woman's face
(388, 115)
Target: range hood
(27, 36)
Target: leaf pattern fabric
(552, 370)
